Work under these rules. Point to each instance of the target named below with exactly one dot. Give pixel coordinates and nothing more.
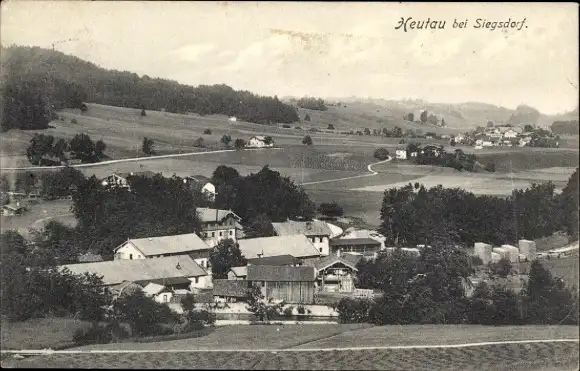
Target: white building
(121, 179)
(203, 184)
(259, 141)
(317, 232)
(483, 251)
(459, 138)
(217, 225)
(510, 134)
(366, 233)
(401, 154)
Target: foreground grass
(243, 337)
(39, 333)
(442, 334)
(528, 357)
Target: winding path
(369, 167)
(134, 159)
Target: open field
(334, 351)
(39, 333)
(38, 214)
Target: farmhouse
(296, 245)
(290, 284)
(510, 134)
(365, 233)
(178, 272)
(336, 273)
(260, 141)
(317, 232)
(159, 293)
(202, 184)
(120, 179)
(158, 247)
(13, 209)
(368, 247)
(218, 225)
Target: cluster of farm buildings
(506, 136)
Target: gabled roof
(330, 260)
(310, 228)
(14, 207)
(270, 273)
(181, 243)
(296, 245)
(207, 215)
(353, 241)
(259, 137)
(352, 258)
(152, 289)
(275, 260)
(125, 287)
(117, 271)
(240, 271)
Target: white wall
(322, 246)
(164, 295)
(129, 251)
(203, 282)
(227, 232)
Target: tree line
(413, 215)
(43, 150)
(431, 289)
(312, 103)
(41, 82)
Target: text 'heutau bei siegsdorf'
(409, 23)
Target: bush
(198, 143)
(330, 209)
(264, 310)
(74, 121)
(288, 311)
(354, 310)
(307, 140)
(207, 131)
(100, 334)
(502, 268)
(381, 154)
(301, 309)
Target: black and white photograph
(289, 185)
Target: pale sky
(322, 49)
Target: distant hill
(40, 81)
(462, 116)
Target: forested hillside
(40, 81)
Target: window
(221, 233)
(196, 279)
(131, 256)
(231, 233)
(320, 249)
(213, 234)
(165, 298)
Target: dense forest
(312, 103)
(41, 81)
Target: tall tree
(225, 255)
(307, 140)
(148, 146)
(260, 226)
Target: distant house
(232, 119)
(259, 141)
(401, 153)
(217, 225)
(203, 184)
(317, 231)
(13, 209)
(459, 138)
(298, 246)
(290, 284)
(510, 134)
(89, 258)
(164, 246)
(367, 247)
(365, 233)
(120, 179)
(177, 272)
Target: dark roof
(275, 260)
(169, 281)
(352, 258)
(231, 288)
(89, 258)
(280, 273)
(353, 241)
